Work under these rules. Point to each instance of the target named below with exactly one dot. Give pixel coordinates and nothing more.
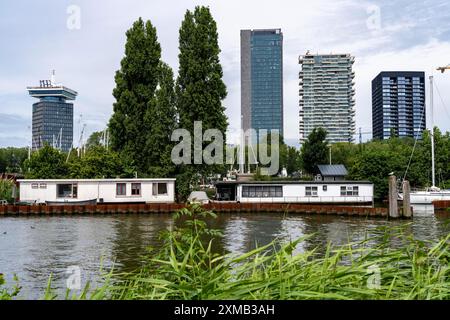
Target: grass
(186, 267)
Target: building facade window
(347, 191)
(135, 189)
(67, 190)
(121, 189)
(262, 191)
(159, 189)
(311, 191)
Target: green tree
(315, 150)
(289, 157)
(46, 163)
(379, 158)
(344, 153)
(2, 161)
(293, 160)
(6, 189)
(12, 159)
(160, 120)
(200, 88)
(97, 163)
(136, 83)
(94, 139)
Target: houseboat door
(226, 192)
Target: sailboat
(426, 197)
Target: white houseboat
(343, 192)
(329, 187)
(84, 191)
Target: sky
(83, 40)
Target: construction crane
(442, 69)
(80, 142)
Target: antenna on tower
(53, 78)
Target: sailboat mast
(433, 175)
(241, 148)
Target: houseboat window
(262, 191)
(43, 185)
(311, 191)
(34, 186)
(324, 188)
(349, 191)
(67, 190)
(135, 189)
(121, 189)
(159, 189)
(279, 192)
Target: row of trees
(96, 162)
(371, 161)
(374, 160)
(151, 104)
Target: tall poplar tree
(200, 89)
(136, 83)
(160, 119)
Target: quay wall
(442, 205)
(30, 210)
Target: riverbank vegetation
(389, 264)
(6, 190)
(372, 161)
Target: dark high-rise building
(398, 104)
(262, 79)
(52, 115)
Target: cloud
(411, 35)
(12, 127)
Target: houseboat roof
(330, 170)
(293, 182)
(98, 180)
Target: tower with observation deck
(52, 121)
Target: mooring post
(393, 196)
(406, 199)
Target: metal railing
(349, 199)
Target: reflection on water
(423, 210)
(35, 247)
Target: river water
(35, 247)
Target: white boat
(428, 196)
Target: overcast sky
(382, 35)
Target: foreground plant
(387, 265)
(6, 294)
(187, 268)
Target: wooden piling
(406, 199)
(393, 195)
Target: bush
(6, 188)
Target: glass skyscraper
(262, 79)
(52, 116)
(327, 96)
(398, 104)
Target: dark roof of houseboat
(278, 182)
(328, 170)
